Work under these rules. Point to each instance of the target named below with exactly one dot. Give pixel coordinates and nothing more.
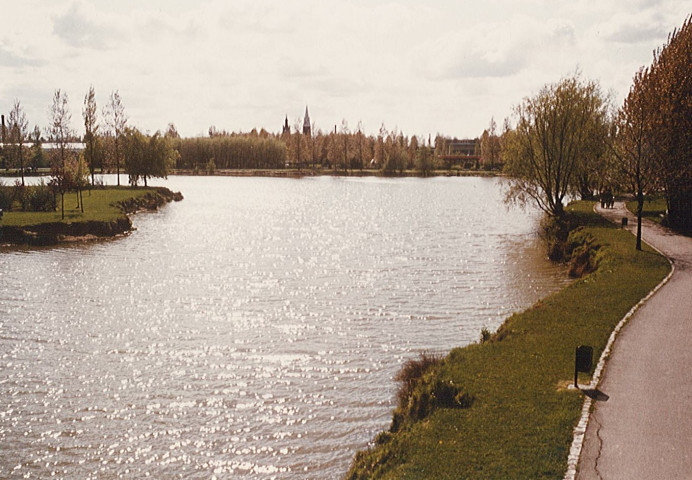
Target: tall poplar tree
(90, 131)
(671, 127)
(633, 145)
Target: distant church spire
(306, 123)
(287, 129)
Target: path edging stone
(580, 429)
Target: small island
(102, 212)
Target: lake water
(253, 329)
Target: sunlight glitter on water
(254, 328)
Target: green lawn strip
(654, 209)
(99, 205)
(521, 422)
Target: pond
(253, 329)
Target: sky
(422, 68)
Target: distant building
(465, 153)
(463, 148)
(307, 129)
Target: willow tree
(147, 156)
(553, 130)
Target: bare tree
(116, 121)
(19, 133)
(490, 146)
(60, 134)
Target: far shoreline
(287, 173)
(319, 172)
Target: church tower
(287, 129)
(307, 130)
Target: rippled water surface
(253, 329)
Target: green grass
(521, 421)
(654, 209)
(99, 205)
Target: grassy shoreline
(105, 215)
(520, 417)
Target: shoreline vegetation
(303, 172)
(105, 214)
(503, 407)
(308, 172)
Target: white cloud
(9, 58)
(643, 27)
(81, 26)
(502, 49)
(438, 66)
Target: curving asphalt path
(642, 426)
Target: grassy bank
(105, 215)
(501, 409)
(101, 205)
(654, 209)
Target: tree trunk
(21, 162)
(640, 208)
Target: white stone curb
(580, 429)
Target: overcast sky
(422, 67)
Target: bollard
(583, 361)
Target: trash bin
(624, 221)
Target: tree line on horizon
(108, 147)
(341, 150)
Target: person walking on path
(643, 428)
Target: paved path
(643, 430)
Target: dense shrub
(411, 373)
(422, 390)
(37, 198)
(41, 198)
(582, 249)
(5, 197)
